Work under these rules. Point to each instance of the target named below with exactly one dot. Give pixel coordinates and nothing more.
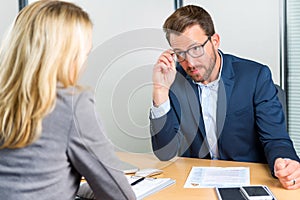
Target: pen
(137, 181)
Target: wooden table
(179, 168)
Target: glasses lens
(178, 57)
(196, 51)
(174, 57)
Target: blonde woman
(49, 135)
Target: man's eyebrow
(191, 45)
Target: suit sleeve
(270, 121)
(93, 155)
(165, 135)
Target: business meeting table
(179, 169)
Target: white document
(148, 186)
(210, 177)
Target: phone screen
(256, 191)
(230, 193)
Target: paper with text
(210, 177)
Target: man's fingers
(292, 184)
(279, 164)
(289, 175)
(166, 58)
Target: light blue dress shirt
(208, 99)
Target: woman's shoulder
(72, 96)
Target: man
(214, 105)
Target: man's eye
(180, 54)
(196, 48)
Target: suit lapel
(192, 94)
(221, 108)
(224, 92)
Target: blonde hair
(45, 47)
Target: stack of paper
(148, 185)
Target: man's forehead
(181, 41)
(191, 35)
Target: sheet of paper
(210, 177)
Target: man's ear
(215, 39)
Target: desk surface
(179, 168)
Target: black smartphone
(259, 192)
(230, 193)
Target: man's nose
(190, 61)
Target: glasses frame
(176, 58)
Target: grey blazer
(72, 144)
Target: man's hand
(288, 173)
(163, 76)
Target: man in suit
(215, 105)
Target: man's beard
(208, 70)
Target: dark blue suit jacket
(250, 119)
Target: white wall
(8, 13)
(128, 39)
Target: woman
(49, 135)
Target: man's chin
(197, 78)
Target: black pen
(137, 181)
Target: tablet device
(230, 193)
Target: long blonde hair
(46, 46)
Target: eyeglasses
(195, 52)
